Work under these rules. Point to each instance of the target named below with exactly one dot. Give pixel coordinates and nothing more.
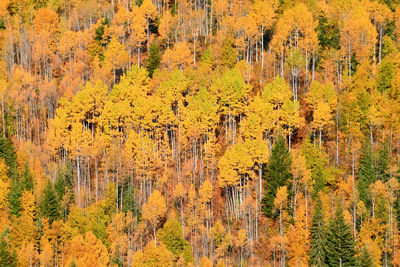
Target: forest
(200, 133)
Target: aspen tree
(154, 210)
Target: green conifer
(59, 186)
(387, 71)
(7, 152)
(365, 258)
(340, 242)
(382, 165)
(153, 61)
(15, 197)
(277, 174)
(317, 162)
(366, 172)
(318, 237)
(49, 203)
(7, 257)
(129, 200)
(26, 179)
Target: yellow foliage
(179, 191)
(153, 255)
(154, 210)
(167, 24)
(241, 238)
(205, 262)
(46, 254)
(372, 235)
(205, 192)
(179, 56)
(23, 231)
(86, 251)
(281, 198)
(235, 163)
(117, 235)
(27, 254)
(299, 238)
(358, 33)
(295, 31)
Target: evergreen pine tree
(318, 237)
(366, 172)
(382, 165)
(277, 174)
(64, 185)
(18, 184)
(49, 203)
(15, 197)
(153, 61)
(340, 242)
(59, 186)
(117, 258)
(128, 200)
(387, 72)
(328, 33)
(316, 161)
(68, 175)
(365, 258)
(7, 152)
(26, 179)
(7, 257)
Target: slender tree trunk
(138, 52)
(78, 170)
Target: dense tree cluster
(199, 133)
